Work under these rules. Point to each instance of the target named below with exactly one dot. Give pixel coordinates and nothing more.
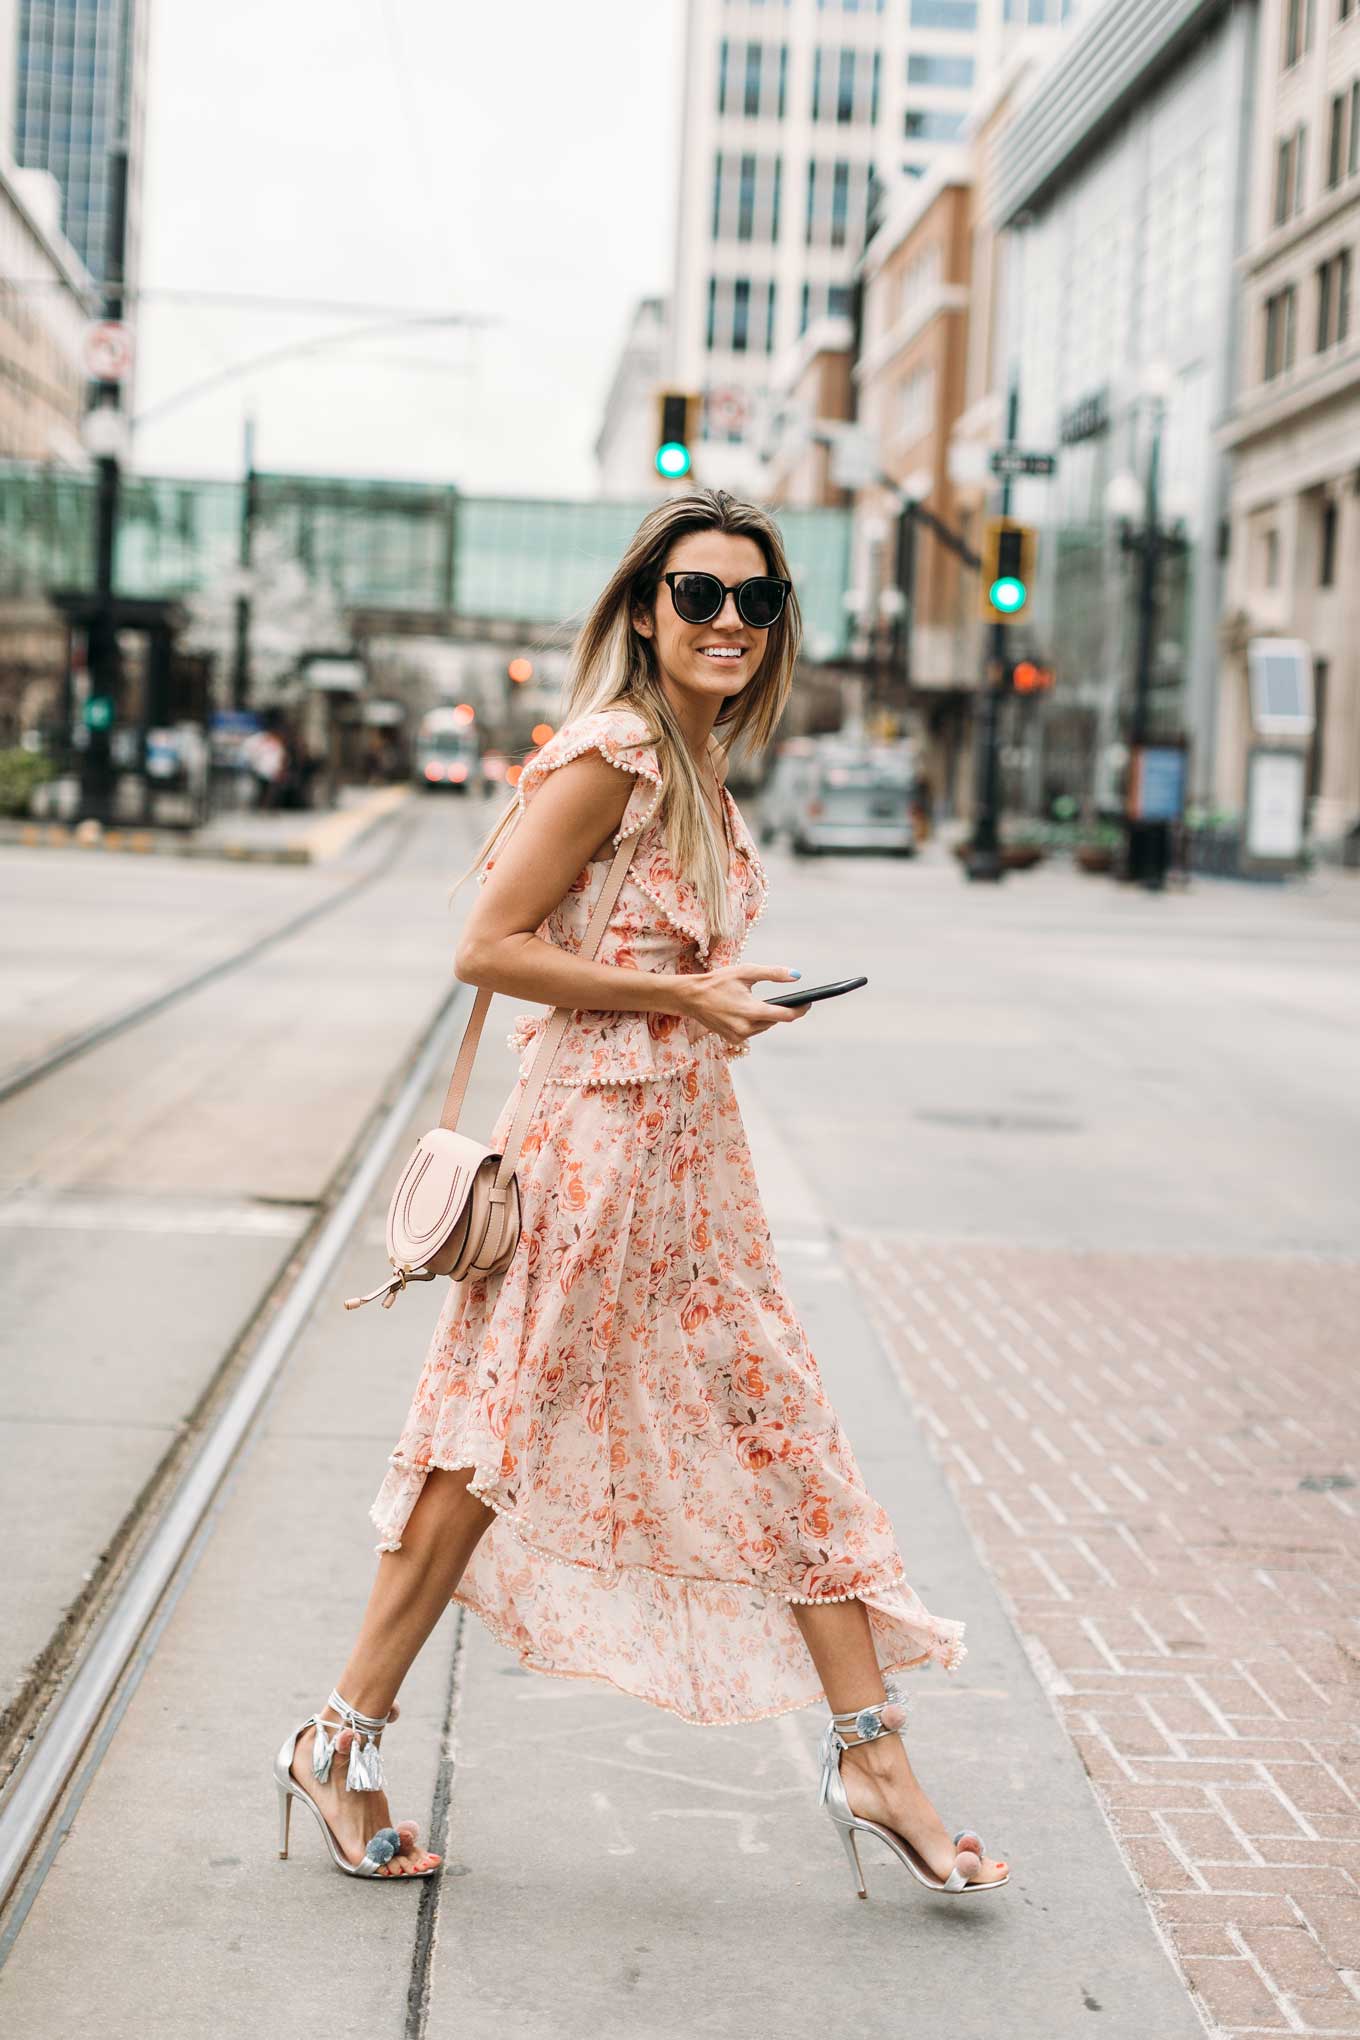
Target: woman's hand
(723, 1001)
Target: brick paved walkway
(1160, 1456)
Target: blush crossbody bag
(456, 1208)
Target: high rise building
(794, 114)
(79, 72)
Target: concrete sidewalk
(609, 1870)
(286, 836)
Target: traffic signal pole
(97, 777)
(984, 855)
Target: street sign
(1156, 790)
(1006, 462)
(108, 351)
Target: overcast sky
(514, 160)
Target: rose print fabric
(635, 1394)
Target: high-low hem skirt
(637, 1402)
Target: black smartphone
(815, 992)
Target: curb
(333, 834)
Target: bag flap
(433, 1190)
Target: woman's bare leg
(410, 1593)
(879, 1781)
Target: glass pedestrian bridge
(405, 556)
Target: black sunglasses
(697, 598)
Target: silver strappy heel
(865, 1724)
(364, 1774)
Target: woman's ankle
(882, 1759)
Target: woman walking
(619, 1452)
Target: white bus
(447, 752)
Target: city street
(1067, 1199)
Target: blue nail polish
(795, 973)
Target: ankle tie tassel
(365, 1772)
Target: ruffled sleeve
(620, 736)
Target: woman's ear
(642, 622)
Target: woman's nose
(729, 603)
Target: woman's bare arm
(572, 818)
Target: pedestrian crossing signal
(675, 434)
(1007, 569)
(1029, 678)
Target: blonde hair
(612, 665)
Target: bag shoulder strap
(552, 1034)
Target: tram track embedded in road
(71, 1708)
(23, 1075)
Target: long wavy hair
(612, 665)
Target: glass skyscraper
(79, 76)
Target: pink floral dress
(635, 1393)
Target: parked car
(844, 794)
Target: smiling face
(722, 656)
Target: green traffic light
(672, 460)
(98, 712)
(1007, 594)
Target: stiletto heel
(856, 1870)
(364, 1774)
(866, 1724)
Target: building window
(1272, 558)
(1353, 152)
(1284, 151)
(850, 6)
(1333, 300)
(1289, 155)
(746, 194)
(932, 68)
(958, 14)
(1279, 347)
(752, 79)
(1298, 30)
(741, 315)
(845, 85)
(932, 124)
(1335, 140)
(836, 194)
(1327, 546)
(820, 300)
(915, 404)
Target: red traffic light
(1031, 679)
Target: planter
(1021, 856)
(1094, 857)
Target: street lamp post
(240, 673)
(1147, 839)
(105, 433)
